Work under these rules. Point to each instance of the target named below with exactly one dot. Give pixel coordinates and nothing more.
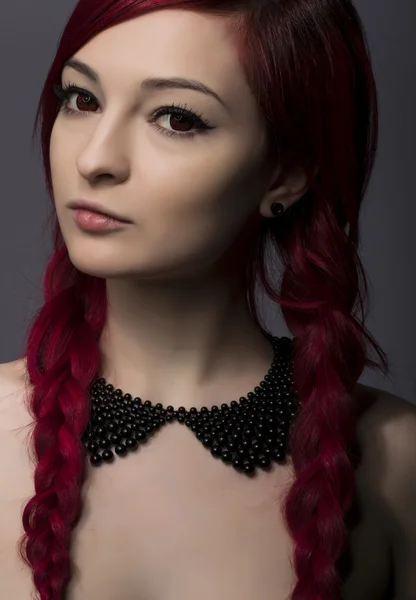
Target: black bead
(216, 451)
(120, 450)
(226, 456)
(92, 447)
(108, 456)
(264, 462)
(131, 443)
(238, 464)
(249, 467)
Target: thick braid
(62, 359)
(330, 354)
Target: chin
(98, 269)
(97, 264)
(112, 267)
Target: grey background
(29, 33)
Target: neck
(184, 343)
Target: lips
(96, 208)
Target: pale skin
(171, 523)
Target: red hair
(308, 64)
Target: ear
(286, 187)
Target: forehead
(169, 43)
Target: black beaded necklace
(248, 434)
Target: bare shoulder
(386, 481)
(13, 373)
(386, 433)
(14, 385)
(387, 409)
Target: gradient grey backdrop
(29, 31)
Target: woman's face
(187, 196)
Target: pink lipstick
(92, 221)
(93, 217)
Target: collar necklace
(248, 434)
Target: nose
(105, 156)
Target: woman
(181, 147)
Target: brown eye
(181, 122)
(84, 101)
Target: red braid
(62, 360)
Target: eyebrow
(150, 83)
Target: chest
(170, 522)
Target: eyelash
(64, 92)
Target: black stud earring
(277, 208)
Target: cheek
(54, 146)
(59, 164)
(199, 211)
(63, 168)
(197, 183)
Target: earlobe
(278, 200)
(286, 189)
